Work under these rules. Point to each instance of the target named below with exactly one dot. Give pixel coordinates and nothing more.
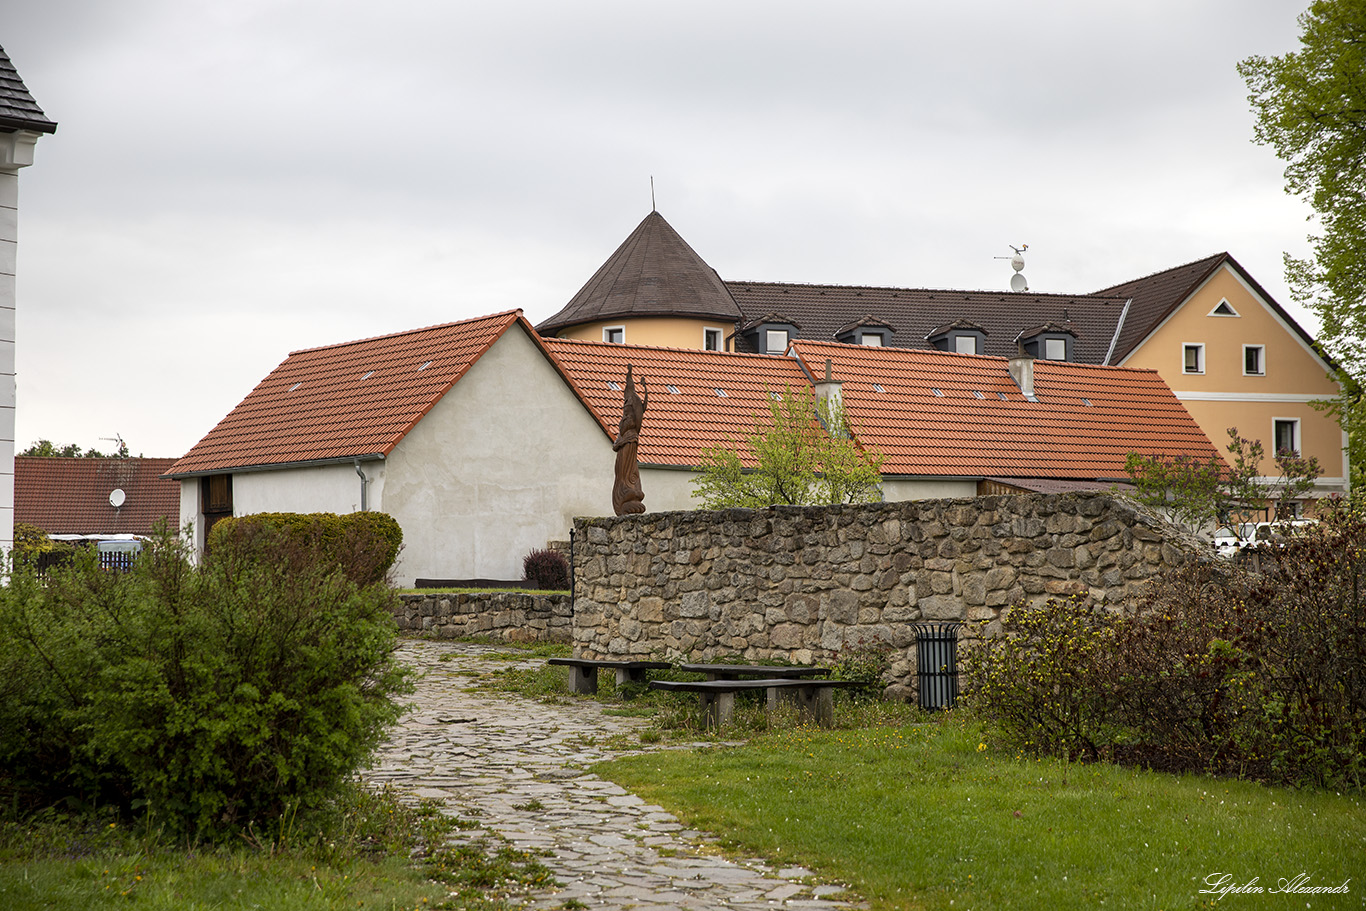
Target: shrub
(1219, 669)
(546, 569)
(214, 696)
(363, 544)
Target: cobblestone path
(516, 767)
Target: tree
(1196, 494)
(803, 455)
(48, 449)
(1311, 108)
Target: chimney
(828, 392)
(1022, 372)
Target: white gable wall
(499, 467)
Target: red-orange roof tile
(958, 415)
(697, 398)
(343, 401)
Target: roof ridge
(492, 317)
(924, 290)
(1212, 258)
(891, 351)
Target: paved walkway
(516, 767)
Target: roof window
(1050, 342)
(295, 386)
(1086, 402)
(368, 374)
(424, 366)
(673, 390)
(960, 337)
(1001, 396)
(937, 392)
(978, 394)
(878, 388)
(614, 385)
(721, 393)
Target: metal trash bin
(936, 662)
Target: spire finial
(653, 208)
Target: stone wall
(807, 584)
(506, 616)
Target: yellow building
(1235, 359)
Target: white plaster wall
(668, 490)
(896, 489)
(189, 514)
(500, 466)
(9, 242)
(323, 488)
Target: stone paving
(517, 768)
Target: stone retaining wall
(506, 616)
(809, 584)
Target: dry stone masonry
(810, 584)
(502, 616)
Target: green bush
(212, 697)
(364, 544)
(1220, 668)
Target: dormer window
(868, 331)
(770, 333)
(1050, 342)
(961, 337)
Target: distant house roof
(71, 496)
(653, 273)
(352, 400)
(18, 110)
(824, 311)
(935, 413)
(697, 398)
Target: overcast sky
(231, 181)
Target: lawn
(926, 817)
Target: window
(1055, 349)
(711, 339)
(965, 344)
(775, 341)
(614, 334)
(1223, 308)
(1286, 434)
(1194, 359)
(871, 339)
(1254, 360)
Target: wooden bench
(583, 672)
(737, 671)
(815, 698)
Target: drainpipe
(364, 481)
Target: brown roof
(71, 496)
(1154, 298)
(18, 110)
(958, 415)
(686, 412)
(653, 273)
(356, 399)
(823, 311)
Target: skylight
(613, 385)
(424, 366)
(295, 386)
(368, 375)
(721, 392)
(978, 394)
(937, 392)
(673, 390)
(878, 388)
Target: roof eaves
(273, 466)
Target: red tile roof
(71, 496)
(686, 414)
(344, 401)
(936, 413)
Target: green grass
(925, 817)
(374, 854)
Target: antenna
(653, 208)
(1017, 281)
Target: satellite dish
(1018, 283)
(1017, 262)
(117, 497)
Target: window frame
(1295, 438)
(768, 341)
(957, 339)
(607, 335)
(1199, 347)
(1223, 302)
(709, 332)
(1261, 360)
(1048, 340)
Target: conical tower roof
(653, 273)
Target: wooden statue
(627, 495)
